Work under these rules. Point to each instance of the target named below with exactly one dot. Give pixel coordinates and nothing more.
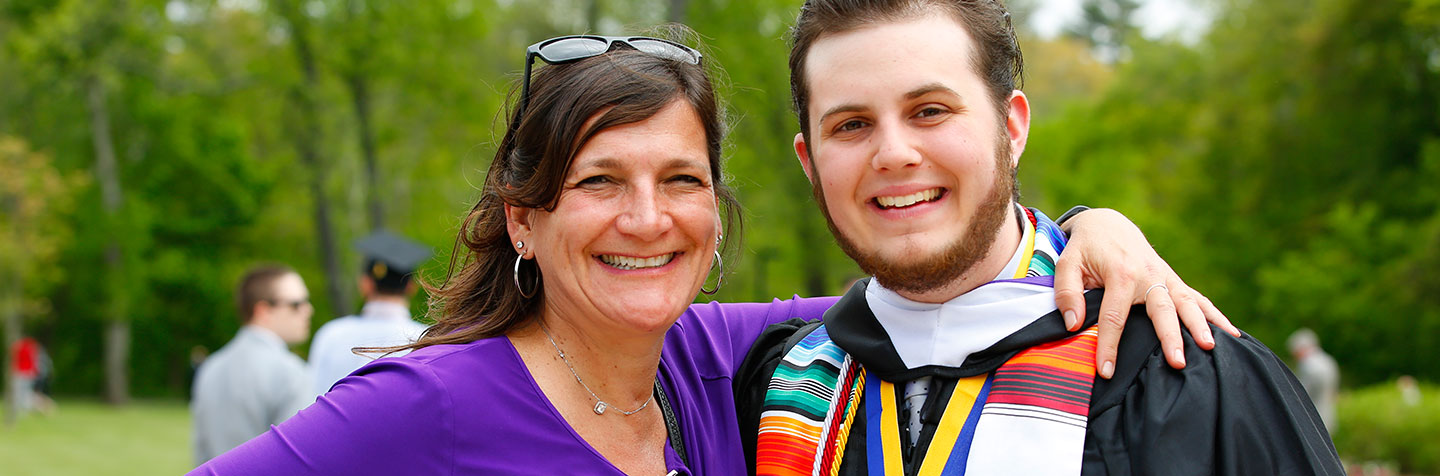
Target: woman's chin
(650, 317)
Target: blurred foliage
(1378, 424)
(1285, 164)
(33, 196)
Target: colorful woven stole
(805, 406)
(1032, 420)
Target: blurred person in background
(1409, 390)
(386, 283)
(254, 381)
(1318, 373)
(45, 374)
(30, 374)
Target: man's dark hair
(257, 285)
(998, 59)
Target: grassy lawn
(87, 437)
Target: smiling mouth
(903, 201)
(629, 263)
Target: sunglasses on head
(569, 49)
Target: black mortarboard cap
(390, 258)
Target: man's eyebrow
(843, 108)
(929, 88)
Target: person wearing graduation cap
(386, 284)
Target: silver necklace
(600, 405)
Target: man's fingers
(1070, 292)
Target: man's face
(911, 163)
(288, 315)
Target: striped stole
(1032, 419)
(1032, 422)
(811, 399)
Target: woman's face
(633, 235)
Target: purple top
(475, 409)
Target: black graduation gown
(1236, 410)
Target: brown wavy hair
(623, 86)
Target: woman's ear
(517, 224)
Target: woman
(567, 342)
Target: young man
(254, 381)
(386, 283)
(953, 359)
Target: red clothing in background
(24, 361)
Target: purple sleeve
(393, 416)
(729, 329)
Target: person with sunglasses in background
(566, 341)
(254, 381)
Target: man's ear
(366, 284)
(261, 314)
(517, 223)
(1017, 125)
(802, 152)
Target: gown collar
(901, 339)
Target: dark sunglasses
(568, 49)
(293, 305)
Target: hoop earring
(523, 294)
(719, 278)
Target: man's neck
(1001, 248)
(388, 298)
(266, 332)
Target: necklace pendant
(600, 408)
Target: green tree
(1285, 166)
(33, 197)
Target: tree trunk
(117, 328)
(592, 16)
(813, 257)
(360, 96)
(10, 306)
(308, 143)
(11, 291)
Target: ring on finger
(1152, 288)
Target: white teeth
(627, 263)
(907, 200)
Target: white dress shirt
(379, 324)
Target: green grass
(87, 437)
(153, 437)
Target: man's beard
(927, 273)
